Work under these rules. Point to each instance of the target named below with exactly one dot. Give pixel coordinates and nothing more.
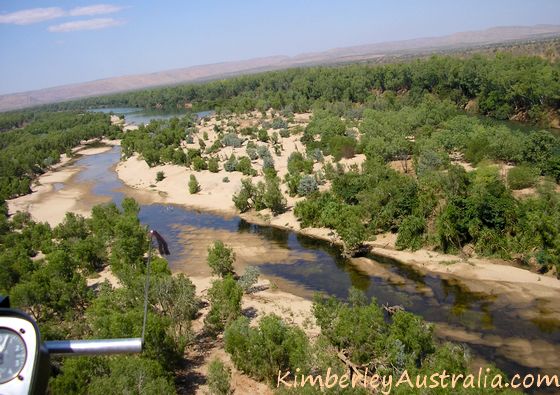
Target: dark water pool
(444, 302)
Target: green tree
(194, 186)
(271, 347)
(219, 377)
(220, 259)
(225, 303)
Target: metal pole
(94, 347)
(147, 286)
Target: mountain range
(376, 51)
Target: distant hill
(219, 70)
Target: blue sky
(50, 43)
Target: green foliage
(160, 176)
(30, 150)
(307, 185)
(411, 232)
(194, 186)
(231, 164)
(244, 199)
(261, 352)
(260, 196)
(522, 176)
(403, 342)
(342, 147)
(297, 164)
(232, 140)
(219, 377)
(220, 259)
(249, 278)
(262, 135)
(225, 304)
(213, 165)
(273, 198)
(487, 215)
(326, 210)
(279, 123)
(244, 166)
(199, 164)
(126, 373)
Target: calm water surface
(440, 301)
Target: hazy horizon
(49, 44)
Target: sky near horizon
(51, 43)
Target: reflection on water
(321, 267)
(141, 116)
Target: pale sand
(292, 309)
(217, 196)
(46, 203)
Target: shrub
(213, 165)
(263, 151)
(220, 259)
(284, 133)
(225, 179)
(205, 135)
(274, 138)
(160, 176)
(260, 196)
(249, 278)
(199, 164)
(201, 143)
(297, 164)
(231, 164)
(522, 176)
(342, 147)
(268, 162)
(252, 153)
(317, 155)
(215, 147)
(219, 377)
(292, 181)
(194, 186)
(271, 347)
(273, 198)
(262, 135)
(231, 140)
(279, 123)
(411, 232)
(248, 131)
(242, 200)
(225, 304)
(307, 185)
(244, 166)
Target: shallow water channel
(494, 327)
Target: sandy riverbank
(53, 195)
(216, 196)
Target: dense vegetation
(44, 271)
(433, 200)
(409, 113)
(501, 86)
(355, 336)
(28, 151)
(435, 175)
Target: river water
(494, 327)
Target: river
(496, 328)
(517, 335)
